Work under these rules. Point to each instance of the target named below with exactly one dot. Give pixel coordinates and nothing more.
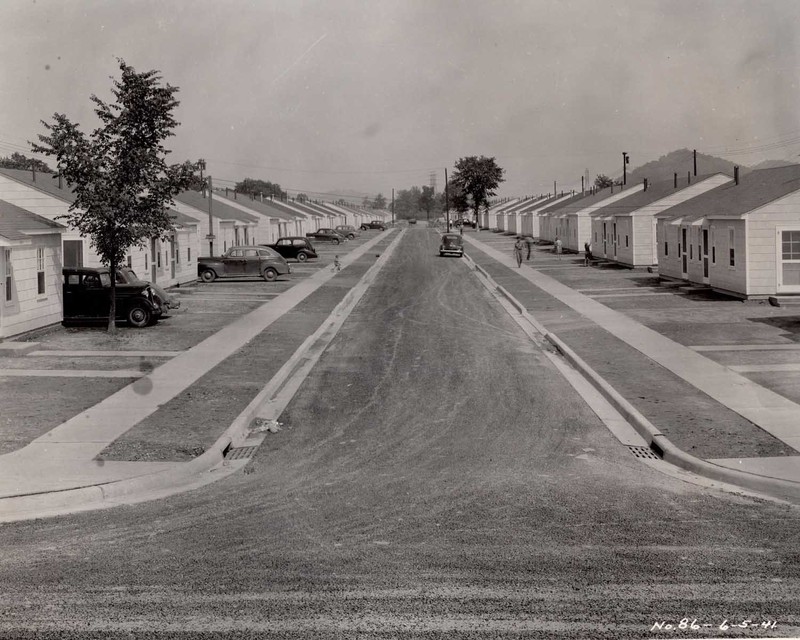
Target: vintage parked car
(293, 247)
(375, 224)
(167, 300)
(327, 235)
(464, 222)
(348, 230)
(412, 221)
(87, 298)
(241, 262)
(452, 244)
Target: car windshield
(266, 251)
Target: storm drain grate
(644, 452)
(240, 453)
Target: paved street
(435, 476)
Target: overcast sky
(367, 95)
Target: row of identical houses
(740, 235)
(35, 244)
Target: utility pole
(447, 201)
(625, 161)
(392, 206)
(694, 155)
(210, 236)
(201, 164)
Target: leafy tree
(426, 200)
(366, 202)
(255, 187)
(301, 197)
(379, 202)
(118, 173)
(602, 181)
(407, 203)
(477, 178)
(20, 161)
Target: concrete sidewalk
(763, 436)
(65, 457)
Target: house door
(788, 261)
(173, 251)
(154, 259)
(614, 240)
(684, 254)
(705, 256)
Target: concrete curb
(184, 475)
(657, 441)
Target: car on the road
(374, 224)
(87, 298)
(243, 261)
(348, 230)
(452, 244)
(464, 222)
(293, 248)
(412, 221)
(167, 299)
(327, 235)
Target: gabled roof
(48, 183)
(219, 209)
(45, 182)
(579, 204)
(639, 199)
(17, 223)
(731, 200)
(567, 203)
(263, 208)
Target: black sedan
(294, 248)
(327, 235)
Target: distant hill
(680, 162)
(771, 164)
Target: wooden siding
(721, 274)
(668, 265)
(27, 310)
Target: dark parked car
(87, 298)
(464, 222)
(348, 231)
(412, 221)
(452, 244)
(375, 224)
(240, 262)
(167, 300)
(294, 247)
(327, 235)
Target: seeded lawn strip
(192, 421)
(692, 420)
(33, 406)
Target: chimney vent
(688, 177)
(676, 180)
(736, 175)
(60, 183)
(645, 184)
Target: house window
(9, 276)
(145, 262)
(130, 262)
(691, 251)
(595, 236)
(731, 249)
(626, 240)
(40, 276)
(158, 259)
(713, 254)
(188, 254)
(666, 248)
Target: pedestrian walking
(529, 242)
(559, 246)
(337, 266)
(587, 253)
(519, 247)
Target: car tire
(139, 316)
(208, 275)
(441, 254)
(270, 274)
(302, 256)
(351, 236)
(336, 241)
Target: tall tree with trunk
(122, 183)
(477, 177)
